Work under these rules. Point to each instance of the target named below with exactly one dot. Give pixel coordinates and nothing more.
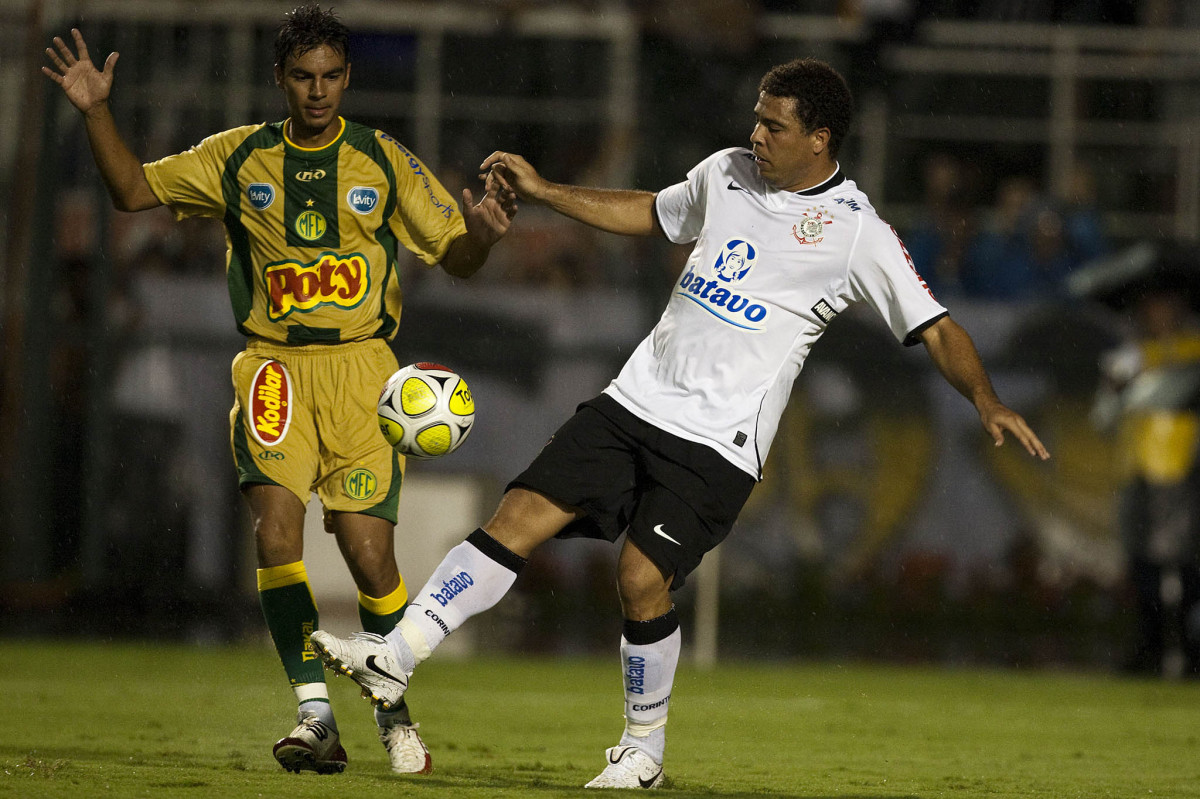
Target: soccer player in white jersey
(669, 452)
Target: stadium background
(887, 526)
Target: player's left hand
(996, 418)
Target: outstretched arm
(630, 213)
(88, 89)
(956, 358)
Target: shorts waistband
(263, 345)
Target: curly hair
(307, 27)
(823, 99)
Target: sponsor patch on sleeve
(825, 311)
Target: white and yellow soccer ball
(426, 410)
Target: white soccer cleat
(628, 767)
(312, 746)
(367, 659)
(406, 750)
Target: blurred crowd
(1020, 246)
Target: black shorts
(676, 499)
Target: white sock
(313, 700)
(472, 577)
(649, 656)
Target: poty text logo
(738, 310)
(270, 403)
(453, 587)
(333, 279)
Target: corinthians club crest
(811, 227)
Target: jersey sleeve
(882, 275)
(680, 208)
(427, 220)
(189, 183)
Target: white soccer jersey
(769, 271)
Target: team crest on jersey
(735, 261)
(339, 280)
(270, 403)
(260, 195)
(310, 225)
(811, 227)
(362, 199)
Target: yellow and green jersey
(312, 234)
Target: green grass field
(127, 720)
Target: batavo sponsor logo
(270, 403)
(739, 310)
(341, 280)
(635, 674)
(453, 587)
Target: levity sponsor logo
(453, 587)
(261, 195)
(362, 199)
(270, 403)
(341, 280)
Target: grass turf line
(130, 720)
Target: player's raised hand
(488, 220)
(515, 174)
(85, 86)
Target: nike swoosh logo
(660, 532)
(371, 665)
(649, 782)
(735, 187)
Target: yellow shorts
(304, 418)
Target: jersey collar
(314, 151)
(834, 180)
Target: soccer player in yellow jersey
(314, 208)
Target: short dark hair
(307, 27)
(822, 97)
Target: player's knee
(644, 594)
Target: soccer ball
(425, 410)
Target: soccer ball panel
(426, 410)
(417, 396)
